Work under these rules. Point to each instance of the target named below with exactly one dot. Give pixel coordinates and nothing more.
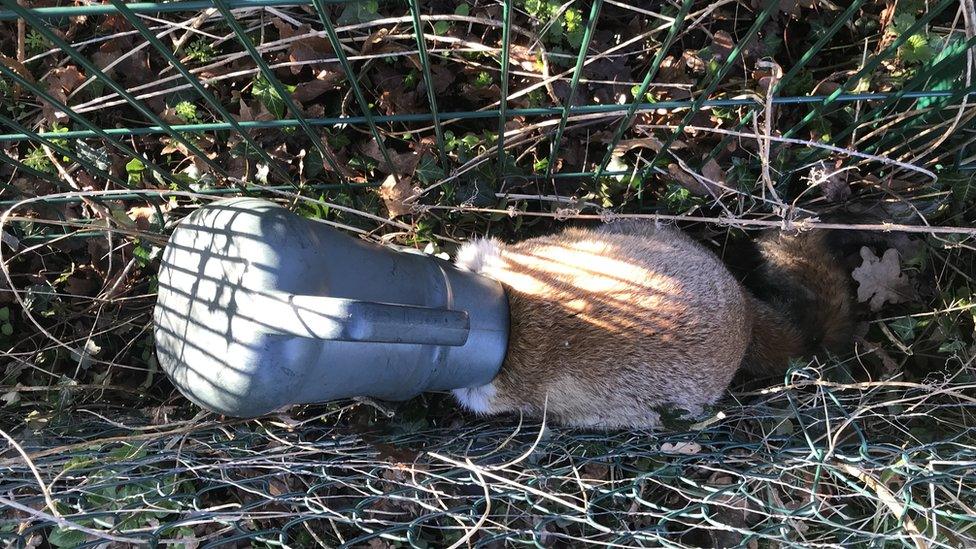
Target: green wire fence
(39, 19)
(476, 116)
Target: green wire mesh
(691, 112)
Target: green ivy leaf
(471, 140)
(535, 8)
(313, 164)
(916, 50)
(428, 170)
(904, 328)
(134, 167)
(143, 255)
(952, 346)
(902, 23)
(263, 91)
(361, 11)
(441, 27)
(65, 537)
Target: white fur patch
(476, 399)
(477, 255)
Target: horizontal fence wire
(510, 113)
(159, 7)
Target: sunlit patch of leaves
(567, 26)
(188, 112)
(37, 159)
(201, 51)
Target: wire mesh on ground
(474, 117)
(814, 462)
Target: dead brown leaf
(379, 43)
(626, 145)
(825, 87)
(442, 77)
(393, 101)
(881, 281)
(133, 69)
(147, 216)
(688, 181)
(249, 113)
(711, 170)
(202, 142)
(722, 45)
(486, 93)
(526, 58)
(114, 23)
(305, 49)
(607, 76)
(733, 510)
(394, 193)
(61, 82)
(84, 281)
(672, 71)
(596, 471)
(324, 81)
(169, 116)
(338, 156)
(403, 163)
(694, 61)
(18, 68)
(100, 254)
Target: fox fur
(611, 325)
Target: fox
(611, 325)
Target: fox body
(611, 325)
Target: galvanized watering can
(259, 308)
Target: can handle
(340, 319)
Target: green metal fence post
(503, 105)
(418, 29)
(574, 85)
(645, 84)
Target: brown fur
(805, 305)
(608, 326)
